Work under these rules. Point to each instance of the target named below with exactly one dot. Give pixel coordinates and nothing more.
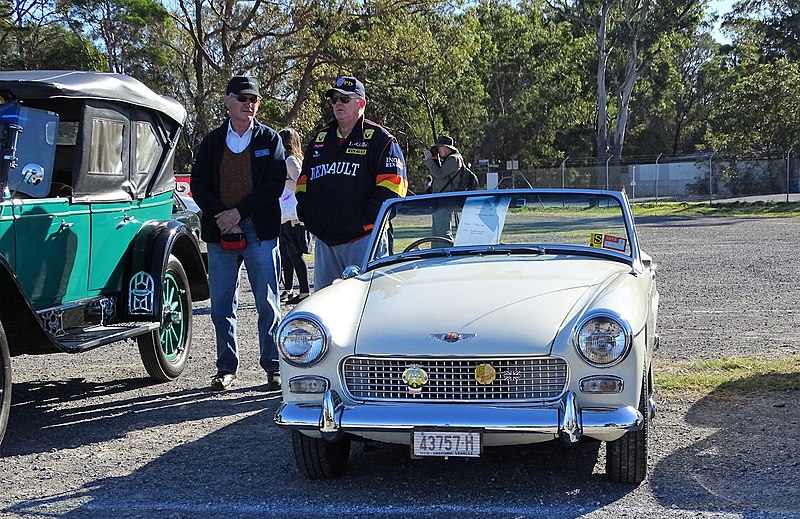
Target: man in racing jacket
(351, 166)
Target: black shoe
(286, 295)
(222, 381)
(296, 299)
(274, 381)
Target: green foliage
(685, 209)
(760, 111)
(507, 79)
(531, 67)
(51, 47)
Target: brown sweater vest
(235, 177)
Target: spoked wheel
(447, 242)
(319, 459)
(626, 458)
(5, 382)
(164, 351)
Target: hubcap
(172, 332)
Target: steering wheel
(428, 239)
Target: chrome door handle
(65, 225)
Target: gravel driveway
(91, 437)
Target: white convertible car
(532, 318)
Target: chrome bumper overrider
(565, 419)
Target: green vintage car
(90, 253)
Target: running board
(83, 339)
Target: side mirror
(351, 271)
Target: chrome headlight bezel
(603, 356)
(316, 338)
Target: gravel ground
(91, 437)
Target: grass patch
(762, 209)
(739, 375)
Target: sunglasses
(245, 99)
(344, 99)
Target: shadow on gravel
(247, 470)
(740, 453)
(55, 415)
(686, 221)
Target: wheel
(626, 458)
(428, 239)
(165, 351)
(5, 383)
(319, 459)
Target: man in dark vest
(237, 180)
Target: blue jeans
(262, 262)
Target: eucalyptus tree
(295, 49)
(128, 32)
(532, 68)
(628, 35)
(760, 112)
(420, 64)
(673, 100)
(773, 26)
(33, 37)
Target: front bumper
(563, 418)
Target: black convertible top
(38, 84)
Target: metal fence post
(659, 156)
(788, 159)
(710, 172)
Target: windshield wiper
(449, 252)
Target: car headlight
(302, 341)
(602, 338)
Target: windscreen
(499, 220)
(31, 170)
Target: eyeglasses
(344, 99)
(245, 99)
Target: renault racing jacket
(341, 187)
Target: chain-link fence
(710, 176)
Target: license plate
(440, 442)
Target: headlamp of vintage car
(302, 341)
(602, 338)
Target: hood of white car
(509, 305)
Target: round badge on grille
(485, 374)
(415, 377)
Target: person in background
(444, 168)
(350, 167)
(237, 180)
(294, 240)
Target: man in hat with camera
(350, 167)
(444, 161)
(237, 180)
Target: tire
(165, 351)
(5, 383)
(319, 459)
(626, 458)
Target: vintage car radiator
(455, 380)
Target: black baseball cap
(347, 85)
(239, 85)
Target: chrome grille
(528, 378)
